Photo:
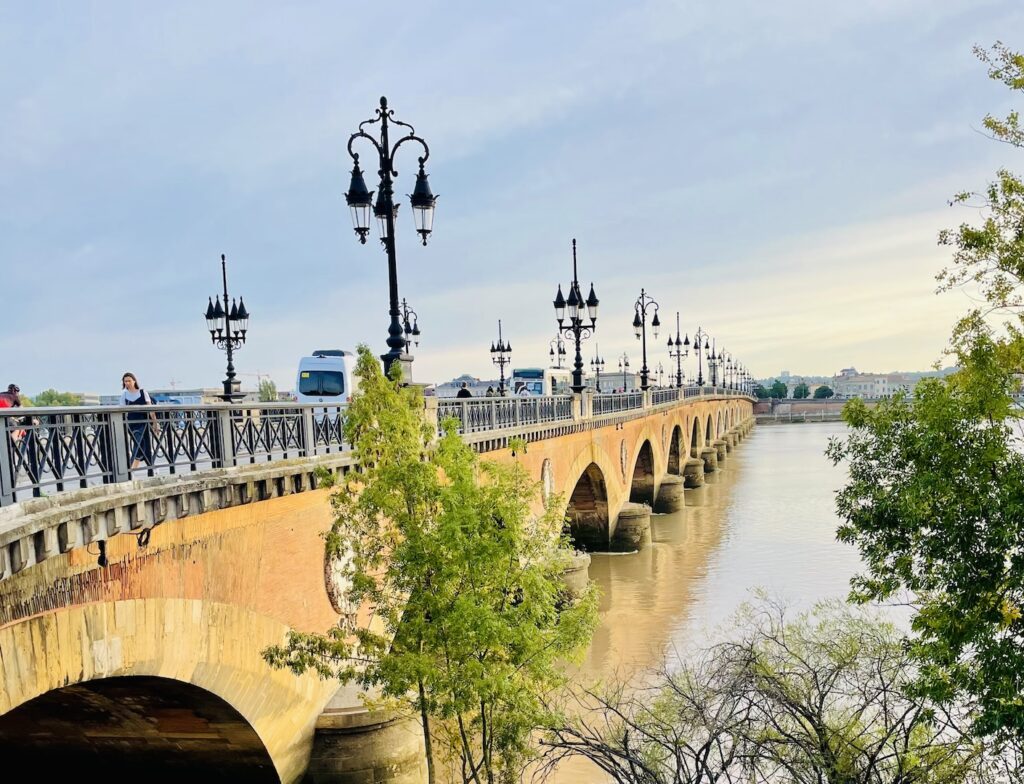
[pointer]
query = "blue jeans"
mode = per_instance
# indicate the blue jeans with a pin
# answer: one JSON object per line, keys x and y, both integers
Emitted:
{"x": 141, "y": 446}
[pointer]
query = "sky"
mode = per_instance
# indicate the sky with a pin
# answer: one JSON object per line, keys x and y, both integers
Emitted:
{"x": 775, "y": 172}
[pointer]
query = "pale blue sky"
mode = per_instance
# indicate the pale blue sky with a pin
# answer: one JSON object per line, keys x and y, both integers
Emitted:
{"x": 775, "y": 171}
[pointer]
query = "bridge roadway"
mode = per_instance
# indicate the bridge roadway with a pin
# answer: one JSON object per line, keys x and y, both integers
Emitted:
{"x": 151, "y": 662}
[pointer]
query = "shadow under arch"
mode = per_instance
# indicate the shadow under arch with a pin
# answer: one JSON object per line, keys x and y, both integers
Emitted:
{"x": 709, "y": 434}
{"x": 642, "y": 487}
{"x": 587, "y": 512}
{"x": 695, "y": 438}
{"x": 154, "y": 728}
{"x": 675, "y": 450}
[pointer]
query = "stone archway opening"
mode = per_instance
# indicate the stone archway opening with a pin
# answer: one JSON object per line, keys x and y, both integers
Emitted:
{"x": 709, "y": 435}
{"x": 587, "y": 513}
{"x": 642, "y": 488}
{"x": 695, "y": 439}
{"x": 675, "y": 447}
{"x": 155, "y": 729}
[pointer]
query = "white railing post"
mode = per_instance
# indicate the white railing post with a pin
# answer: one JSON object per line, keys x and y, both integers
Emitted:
{"x": 119, "y": 463}
{"x": 224, "y": 439}
{"x": 6, "y": 464}
{"x": 308, "y": 432}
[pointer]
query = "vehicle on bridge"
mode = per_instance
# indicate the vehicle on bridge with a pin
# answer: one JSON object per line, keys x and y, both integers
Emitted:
{"x": 541, "y": 381}
{"x": 328, "y": 376}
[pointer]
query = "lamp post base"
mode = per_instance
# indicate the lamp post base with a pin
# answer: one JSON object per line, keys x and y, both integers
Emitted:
{"x": 404, "y": 362}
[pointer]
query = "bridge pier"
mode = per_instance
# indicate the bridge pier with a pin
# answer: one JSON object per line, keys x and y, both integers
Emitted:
{"x": 693, "y": 472}
{"x": 359, "y": 746}
{"x": 670, "y": 495}
{"x": 720, "y": 448}
{"x": 577, "y": 577}
{"x": 633, "y": 529}
{"x": 710, "y": 457}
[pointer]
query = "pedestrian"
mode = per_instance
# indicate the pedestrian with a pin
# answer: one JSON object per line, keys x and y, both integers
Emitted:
{"x": 490, "y": 392}
{"x": 12, "y": 399}
{"x": 139, "y": 430}
{"x": 464, "y": 391}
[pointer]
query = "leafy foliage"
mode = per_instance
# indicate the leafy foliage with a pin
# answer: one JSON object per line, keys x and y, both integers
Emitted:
{"x": 800, "y": 391}
{"x": 935, "y": 497}
{"x": 778, "y": 390}
{"x": 760, "y": 392}
{"x": 823, "y": 392}
{"x": 267, "y": 391}
{"x": 469, "y": 615}
{"x": 51, "y": 397}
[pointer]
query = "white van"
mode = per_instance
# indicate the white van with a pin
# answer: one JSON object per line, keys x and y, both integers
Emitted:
{"x": 326, "y": 377}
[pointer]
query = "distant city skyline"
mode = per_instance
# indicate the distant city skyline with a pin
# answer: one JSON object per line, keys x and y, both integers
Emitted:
{"x": 777, "y": 173}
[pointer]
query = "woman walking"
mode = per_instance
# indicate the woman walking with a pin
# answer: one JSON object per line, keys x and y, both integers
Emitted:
{"x": 138, "y": 428}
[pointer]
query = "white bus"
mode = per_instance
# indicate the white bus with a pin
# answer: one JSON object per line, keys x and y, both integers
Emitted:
{"x": 326, "y": 377}
{"x": 541, "y": 381}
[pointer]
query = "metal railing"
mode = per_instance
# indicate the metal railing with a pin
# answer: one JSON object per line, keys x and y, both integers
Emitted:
{"x": 44, "y": 451}
{"x": 617, "y": 401}
{"x": 475, "y": 415}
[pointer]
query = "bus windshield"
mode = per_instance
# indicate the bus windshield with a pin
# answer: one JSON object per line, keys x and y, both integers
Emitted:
{"x": 321, "y": 383}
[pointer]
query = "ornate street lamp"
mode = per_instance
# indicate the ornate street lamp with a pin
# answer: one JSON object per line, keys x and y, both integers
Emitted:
{"x": 500, "y": 356}
{"x": 713, "y": 360}
{"x": 643, "y": 304}
{"x": 578, "y": 310}
{"x": 231, "y": 335}
{"x": 557, "y": 351}
{"x": 596, "y": 366}
{"x": 700, "y": 341}
{"x": 678, "y": 350}
{"x": 410, "y": 329}
{"x": 624, "y": 366}
{"x": 360, "y": 202}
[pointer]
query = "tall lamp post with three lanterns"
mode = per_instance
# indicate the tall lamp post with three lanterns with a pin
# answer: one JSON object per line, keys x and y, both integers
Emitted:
{"x": 645, "y": 302}
{"x": 500, "y": 352}
{"x": 578, "y": 310}
{"x": 360, "y": 202}
{"x": 231, "y": 335}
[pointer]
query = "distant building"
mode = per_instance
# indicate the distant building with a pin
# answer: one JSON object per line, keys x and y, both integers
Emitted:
{"x": 849, "y": 383}
{"x": 477, "y": 387}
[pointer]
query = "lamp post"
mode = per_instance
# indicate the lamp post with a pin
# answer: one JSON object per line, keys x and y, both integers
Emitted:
{"x": 713, "y": 364}
{"x": 360, "y": 201}
{"x": 677, "y": 350}
{"x": 579, "y": 309}
{"x": 231, "y": 336}
{"x": 624, "y": 366}
{"x": 411, "y": 331}
{"x": 500, "y": 352}
{"x": 557, "y": 351}
{"x": 596, "y": 366}
{"x": 700, "y": 344}
{"x": 644, "y": 302}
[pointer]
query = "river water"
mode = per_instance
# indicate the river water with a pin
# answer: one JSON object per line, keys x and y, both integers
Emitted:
{"x": 765, "y": 520}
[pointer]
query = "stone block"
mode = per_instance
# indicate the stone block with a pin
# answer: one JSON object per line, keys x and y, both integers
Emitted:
{"x": 633, "y": 528}
{"x": 670, "y": 495}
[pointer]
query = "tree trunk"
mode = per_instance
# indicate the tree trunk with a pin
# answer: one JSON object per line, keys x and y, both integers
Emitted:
{"x": 425, "y": 721}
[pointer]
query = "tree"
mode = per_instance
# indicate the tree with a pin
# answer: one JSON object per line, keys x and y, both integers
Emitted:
{"x": 471, "y": 617}
{"x": 823, "y": 392}
{"x": 935, "y": 496}
{"x": 801, "y": 391}
{"x": 778, "y": 390}
{"x": 51, "y": 397}
{"x": 760, "y": 392}
{"x": 267, "y": 391}
{"x": 819, "y": 697}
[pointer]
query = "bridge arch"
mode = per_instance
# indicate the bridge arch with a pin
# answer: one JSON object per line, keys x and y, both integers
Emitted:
{"x": 675, "y": 451}
{"x": 695, "y": 437}
{"x": 587, "y": 513}
{"x": 643, "y": 483}
{"x": 709, "y": 434}
{"x": 216, "y": 650}
{"x": 135, "y": 726}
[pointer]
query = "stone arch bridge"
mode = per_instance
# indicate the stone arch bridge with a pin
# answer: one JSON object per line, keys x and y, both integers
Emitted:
{"x": 133, "y": 608}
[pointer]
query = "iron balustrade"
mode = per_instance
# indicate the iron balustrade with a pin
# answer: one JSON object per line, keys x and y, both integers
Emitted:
{"x": 44, "y": 451}
{"x": 660, "y": 396}
{"x": 501, "y": 413}
{"x": 617, "y": 401}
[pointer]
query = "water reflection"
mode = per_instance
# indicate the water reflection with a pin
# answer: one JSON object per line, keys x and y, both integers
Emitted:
{"x": 766, "y": 519}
